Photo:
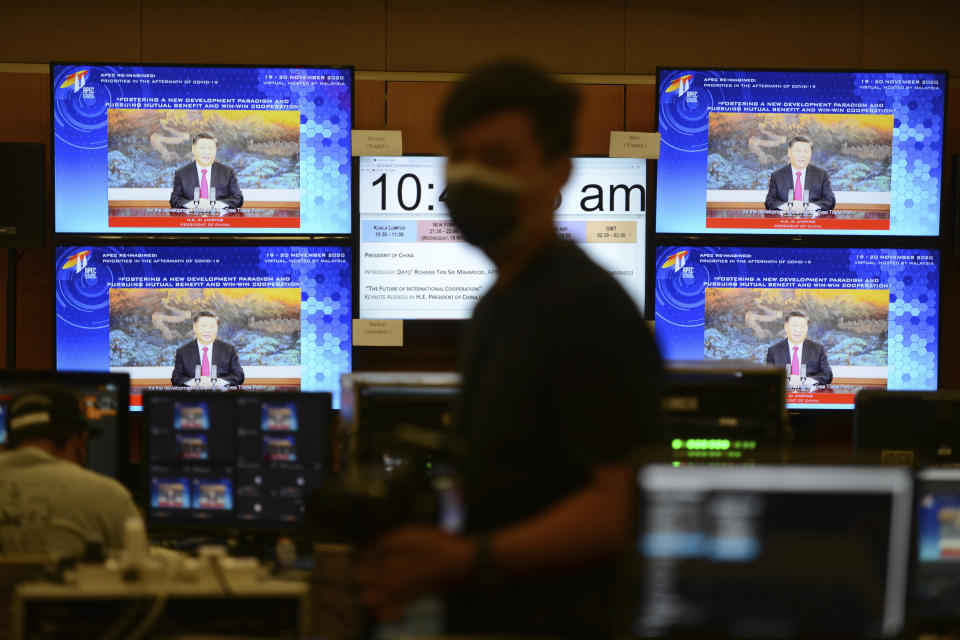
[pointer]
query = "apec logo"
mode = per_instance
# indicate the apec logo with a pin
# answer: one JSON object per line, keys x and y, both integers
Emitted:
{"x": 77, "y": 79}
{"x": 76, "y": 264}
{"x": 681, "y": 85}
{"x": 678, "y": 263}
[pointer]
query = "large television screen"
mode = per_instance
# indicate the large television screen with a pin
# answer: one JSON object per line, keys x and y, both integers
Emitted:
{"x": 870, "y": 316}
{"x": 194, "y": 149}
{"x": 285, "y": 309}
{"x": 868, "y": 147}
{"x": 413, "y": 264}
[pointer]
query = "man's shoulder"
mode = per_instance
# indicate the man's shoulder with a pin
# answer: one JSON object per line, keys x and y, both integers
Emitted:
{"x": 184, "y": 347}
{"x": 78, "y": 480}
{"x": 777, "y": 345}
{"x": 224, "y": 345}
{"x": 187, "y": 167}
{"x": 812, "y": 344}
{"x": 782, "y": 171}
{"x": 219, "y": 166}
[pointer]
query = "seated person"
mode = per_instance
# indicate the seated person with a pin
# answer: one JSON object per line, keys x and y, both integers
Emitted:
{"x": 795, "y": 350}
{"x": 206, "y": 351}
{"x": 799, "y": 176}
{"x": 49, "y": 503}
{"x": 205, "y": 173}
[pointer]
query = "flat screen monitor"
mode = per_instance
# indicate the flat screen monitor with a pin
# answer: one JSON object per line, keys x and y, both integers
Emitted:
{"x": 868, "y": 146}
{"x": 103, "y": 398}
{"x": 129, "y": 156}
{"x": 871, "y": 315}
{"x": 414, "y": 265}
{"x": 771, "y": 552}
{"x": 935, "y": 583}
{"x": 233, "y": 460}
{"x": 286, "y": 310}
{"x": 911, "y": 428}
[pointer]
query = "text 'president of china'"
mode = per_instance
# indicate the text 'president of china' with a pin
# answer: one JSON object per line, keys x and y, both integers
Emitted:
{"x": 205, "y": 173}
{"x": 206, "y": 351}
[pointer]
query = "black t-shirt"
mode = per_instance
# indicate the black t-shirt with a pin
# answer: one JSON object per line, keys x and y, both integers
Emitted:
{"x": 560, "y": 375}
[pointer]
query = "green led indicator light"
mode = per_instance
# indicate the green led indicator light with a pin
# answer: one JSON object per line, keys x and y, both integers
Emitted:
{"x": 677, "y": 444}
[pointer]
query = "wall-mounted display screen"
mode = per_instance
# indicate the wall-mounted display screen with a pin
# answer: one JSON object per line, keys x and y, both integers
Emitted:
{"x": 282, "y": 315}
{"x": 751, "y": 151}
{"x": 192, "y": 149}
{"x": 414, "y": 265}
{"x": 860, "y": 318}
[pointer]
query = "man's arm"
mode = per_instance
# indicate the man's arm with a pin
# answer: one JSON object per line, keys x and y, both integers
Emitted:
{"x": 179, "y": 377}
{"x": 773, "y": 200}
{"x": 591, "y": 524}
{"x": 234, "y": 197}
{"x": 827, "y": 201}
{"x": 824, "y": 373}
{"x": 177, "y": 197}
{"x": 235, "y": 375}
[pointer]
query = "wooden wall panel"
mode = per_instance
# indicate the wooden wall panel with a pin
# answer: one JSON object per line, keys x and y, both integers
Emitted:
{"x": 562, "y": 35}
{"x": 915, "y": 35}
{"x": 369, "y": 103}
{"x": 300, "y": 32}
{"x": 748, "y": 33}
{"x": 413, "y": 107}
{"x": 641, "y": 107}
{"x": 25, "y": 117}
{"x": 601, "y": 111}
{"x": 69, "y": 30}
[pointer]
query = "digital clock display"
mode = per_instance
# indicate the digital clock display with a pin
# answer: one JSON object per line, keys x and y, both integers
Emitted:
{"x": 414, "y": 265}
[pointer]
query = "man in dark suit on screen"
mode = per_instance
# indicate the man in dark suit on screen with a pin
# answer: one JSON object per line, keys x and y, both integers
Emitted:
{"x": 206, "y": 351}
{"x": 796, "y": 350}
{"x": 206, "y": 174}
{"x": 800, "y": 176}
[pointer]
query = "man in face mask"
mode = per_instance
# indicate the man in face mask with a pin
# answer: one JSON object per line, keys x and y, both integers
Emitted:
{"x": 561, "y": 379}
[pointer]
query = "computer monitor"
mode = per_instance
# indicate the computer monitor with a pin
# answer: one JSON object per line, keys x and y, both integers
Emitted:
{"x": 934, "y": 598}
{"x": 104, "y": 400}
{"x": 718, "y": 411}
{"x": 126, "y": 139}
{"x": 414, "y": 265}
{"x": 376, "y": 404}
{"x": 868, "y": 318}
{"x": 867, "y": 145}
{"x": 771, "y": 552}
{"x": 287, "y": 310}
{"x": 911, "y": 428}
{"x": 243, "y": 460}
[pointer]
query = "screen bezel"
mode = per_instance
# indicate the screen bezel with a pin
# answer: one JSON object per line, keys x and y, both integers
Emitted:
{"x": 831, "y": 242}
{"x": 246, "y": 241}
{"x": 852, "y": 239}
{"x": 159, "y": 525}
{"x": 64, "y": 236}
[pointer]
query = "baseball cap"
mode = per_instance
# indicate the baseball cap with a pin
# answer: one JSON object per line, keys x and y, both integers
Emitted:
{"x": 45, "y": 410}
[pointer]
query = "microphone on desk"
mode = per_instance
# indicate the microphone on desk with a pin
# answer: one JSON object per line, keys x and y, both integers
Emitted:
{"x": 196, "y": 377}
{"x": 213, "y": 374}
{"x": 213, "y": 199}
{"x": 790, "y": 200}
{"x": 196, "y": 198}
{"x": 806, "y": 199}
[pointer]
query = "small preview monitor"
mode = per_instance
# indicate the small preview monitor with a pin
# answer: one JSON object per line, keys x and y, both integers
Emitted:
{"x": 910, "y": 428}
{"x": 935, "y": 584}
{"x": 771, "y": 552}
{"x": 103, "y": 399}
{"x": 211, "y": 459}
{"x": 201, "y": 149}
{"x": 414, "y": 265}
{"x": 800, "y": 152}
{"x": 274, "y": 317}
{"x": 858, "y": 318}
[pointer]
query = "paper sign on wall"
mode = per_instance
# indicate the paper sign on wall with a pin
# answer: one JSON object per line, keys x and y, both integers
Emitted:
{"x": 375, "y": 142}
{"x": 377, "y": 333}
{"x": 634, "y": 144}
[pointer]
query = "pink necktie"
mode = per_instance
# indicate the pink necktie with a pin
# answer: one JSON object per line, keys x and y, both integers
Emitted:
{"x": 794, "y": 364}
{"x": 205, "y": 364}
{"x": 797, "y": 189}
{"x": 205, "y": 190}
